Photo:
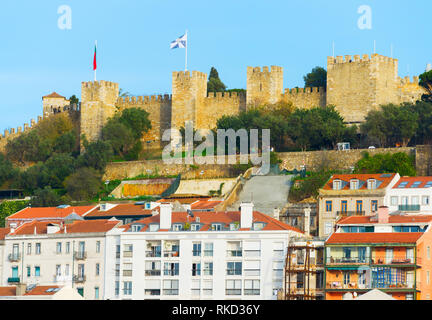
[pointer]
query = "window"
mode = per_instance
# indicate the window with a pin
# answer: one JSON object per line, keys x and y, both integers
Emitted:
{"x": 344, "y": 206}
{"x": 96, "y": 292}
{"x": 136, "y": 227}
{"x": 97, "y": 269}
{"x": 28, "y": 271}
{"x": 278, "y": 270}
{"x": 337, "y": 184}
{"x": 252, "y": 248}
{"x": 117, "y": 270}
{"x": 404, "y": 200}
{"x": 14, "y": 272}
{"x": 208, "y": 249}
{"x": 67, "y": 247}
{"x": 425, "y": 200}
{"x": 81, "y": 291}
{"x": 207, "y": 287}
{"x": 428, "y": 252}
{"x": 258, "y": 225}
{"x": 29, "y": 248}
{"x": 278, "y": 249}
{"x": 427, "y": 277}
{"x": 153, "y": 227}
{"x": 416, "y": 184}
{"x": 170, "y": 287}
{"x": 58, "y": 270}
{"x": 67, "y": 270}
{"x": 59, "y": 247}
{"x": 127, "y": 269}
{"x": 402, "y": 184}
{"x": 196, "y": 251}
{"x": 252, "y": 268}
{"x": 117, "y": 288}
{"x": 153, "y": 268}
{"x": 374, "y": 205}
{"x": 216, "y": 227}
{"x": 233, "y": 287}
{"x": 234, "y": 226}
{"x": 359, "y": 205}
{"x": 81, "y": 270}
{"x": 195, "y": 288}
{"x": 354, "y": 184}
{"x": 328, "y": 228}
{"x": 98, "y": 247}
{"x": 127, "y": 250}
{"x": 428, "y": 184}
{"x": 196, "y": 269}
{"x": 195, "y": 227}
{"x": 177, "y": 227}
{"x": 171, "y": 268}
{"x": 38, "y": 248}
{"x": 234, "y": 268}
{"x": 37, "y": 271}
{"x": 152, "y": 287}
{"x": 394, "y": 201}
{"x": 329, "y": 206}
{"x": 346, "y": 278}
{"x": 252, "y": 287}
{"x": 371, "y": 184}
{"x": 208, "y": 268}
{"x": 127, "y": 288}
{"x": 414, "y": 200}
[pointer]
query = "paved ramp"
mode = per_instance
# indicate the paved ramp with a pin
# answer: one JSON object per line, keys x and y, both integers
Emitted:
{"x": 266, "y": 192}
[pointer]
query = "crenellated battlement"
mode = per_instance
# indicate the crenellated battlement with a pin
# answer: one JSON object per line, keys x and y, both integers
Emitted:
{"x": 225, "y": 95}
{"x": 307, "y": 90}
{"x": 140, "y": 100}
{"x": 265, "y": 69}
{"x": 375, "y": 57}
{"x": 14, "y": 132}
{"x": 100, "y": 83}
{"x": 407, "y": 80}
{"x": 189, "y": 75}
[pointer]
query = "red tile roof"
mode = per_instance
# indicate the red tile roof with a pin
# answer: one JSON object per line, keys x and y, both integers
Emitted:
{"x": 372, "y": 237}
{"x": 410, "y": 181}
{"x": 49, "y": 212}
{"x": 41, "y": 291}
{"x": 124, "y": 209}
{"x": 85, "y": 226}
{"x": 7, "y": 291}
{"x": 53, "y": 95}
{"x": 207, "y": 218}
{"x": 392, "y": 219}
{"x": 385, "y": 179}
{"x": 4, "y": 232}
{"x": 205, "y": 204}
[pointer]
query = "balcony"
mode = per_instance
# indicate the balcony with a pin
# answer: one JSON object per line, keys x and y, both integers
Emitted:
{"x": 234, "y": 272}
{"x": 392, "y": 285}
{"x": 79, "y": 278}
{"x": 14, "y": 257}
{"x": 350, "y": 213}
{"x": 153, "y": 254}
{"x": 174, "y": 272}
{"x": 80, "y": 255}
{"x": 153, "y": 272}
{"x": 170, "y": 292}
{"x": 152, "y": 292}
{"x": 14, "y": 280}
{"x": 409, "y": 207}
{"x": 127, "y": 273}
{"x": 346, "y": 260}
{"x": 400, "y": 261}
{"x": 234, "y": 253}
{"x": 62, "y": 279}
{"x": 127, "y": 254}
{"x": 171, "y": 254}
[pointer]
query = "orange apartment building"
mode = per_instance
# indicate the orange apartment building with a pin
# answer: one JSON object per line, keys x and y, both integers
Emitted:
{"x": 383, "y": 251}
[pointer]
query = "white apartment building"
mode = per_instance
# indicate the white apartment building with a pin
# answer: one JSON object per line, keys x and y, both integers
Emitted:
{"x": 410, "y": 195}
{"x": 44, "y": 253}
{"x": 201, "y": 255}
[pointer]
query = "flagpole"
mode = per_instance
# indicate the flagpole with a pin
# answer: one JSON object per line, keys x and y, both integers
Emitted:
{"x": 187, "y": 40}
{"x": 96, "y": 67}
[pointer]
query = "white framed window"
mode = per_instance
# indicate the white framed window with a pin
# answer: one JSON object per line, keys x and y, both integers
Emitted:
{"x": 252, "y": 248}
{"x": 425, "y": 200}
{"x": 337, "y": 184}
{"x": 58, "y": 270}
{"x": 208, "y": 268}
{"x": 58, "y": 247}
{"x": 252, "y": 267}
{"x": 38, "y": 248}
{"x": 394, "y": 200}
{"x": 67, "y": 270}
{"x": 414, "y": 200}
{"x": 154, "y": 227}
{"x": 354, "y": 184}
{"x": 177, "y": 227}
{"x": 29, "y": 248}
{"x": 171, "y": 287}
{"x": 371, "y": 184}
{"x": 195, "y": 287}
{"x": 216, "y": 227}
{"x": 127, "y": 288}
{"x": 427, "y": 277}
{"x": 233, "y": 287}
{"x": 98, "y": 246}
{"x": 195, "y": 227}
{"x": 67, "y": 249}
{"x": 252, "y": 287}
{"x": 207, "y": 287}
{"x": 208, "y": 249}
{"x": 404, "y": 200}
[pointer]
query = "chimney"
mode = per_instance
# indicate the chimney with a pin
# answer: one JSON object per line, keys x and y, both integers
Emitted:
{"x": 276, "y": 213}
{"x": 383, "y": 214}
{"x": 20, "y": 289}
{"x": 307, "y": 212}
{"x": 246, "y": 214}
{"x": 165, "y": 216}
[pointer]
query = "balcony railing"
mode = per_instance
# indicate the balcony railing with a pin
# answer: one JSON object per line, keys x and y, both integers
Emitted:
{"x": 170, "y": 292}
{"x": 399, "y": 261}
{"x": 152, "y": 292}
{"x": 373, "y": 285}
{"x": 170, "y": 254}
{"x": 350, "y": 213}
{"x": 127, "y": 273}
{"x": 234, "y": 272}
{"x": 392, "y": 285}
{"x": 251, "y": 292}
{"x": 345, "y": 260}
{"x": 174, "y": 272}
{"x": 234, "y": 253}
{"x": 233, "y": 292}
{"x": 409, "y": 207}
{"x": 153, "y": 272}
{"x": 208, "y": 253}
{"x": 79, "y": 278}
{"x": 60, "y": 278}
{"x": 127, "y": 254}
{"x": 14, "y": 257}
{"x": 153, "y": 254}
{"x": 80, "y": 255}
{"x": 14, "y": 280}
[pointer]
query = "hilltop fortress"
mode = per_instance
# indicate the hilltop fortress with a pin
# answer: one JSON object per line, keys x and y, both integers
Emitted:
{"x": 355, "y": 85}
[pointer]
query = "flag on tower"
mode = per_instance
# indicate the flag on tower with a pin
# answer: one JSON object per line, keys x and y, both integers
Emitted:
{"x": 179, "y": 42}
{"x": 94, "y": 58}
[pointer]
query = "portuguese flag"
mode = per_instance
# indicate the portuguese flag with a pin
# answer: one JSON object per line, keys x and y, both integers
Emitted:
{"x": 94, "y": 59}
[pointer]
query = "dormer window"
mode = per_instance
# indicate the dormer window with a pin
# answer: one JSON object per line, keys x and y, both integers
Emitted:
{"x": 216, "y": 227}
{"x": 258, "y": 225}
{"x": 195, "y": 227}
{"x": 234, "y": 226}
{"x": 153, "y": 227}
{"x": 337, "y": 184}
{"x": 371, "y": 184}
{"x": 354, "y": 184}
{"x": 136, "y": 227}
{"x": 177, "y": 227}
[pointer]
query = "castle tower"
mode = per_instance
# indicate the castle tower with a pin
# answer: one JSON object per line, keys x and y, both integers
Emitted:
{"x": 188, "y": 92}
{"x": 98, "y": 99}
{"x": 53, "y": 103}
{"x": 264, "y": 86}
{"x": 356, "y": 85}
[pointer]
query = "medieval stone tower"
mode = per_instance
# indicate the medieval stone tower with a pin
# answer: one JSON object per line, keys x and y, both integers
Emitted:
{"x": 98, "y": 100}
{"x": 264, "y": 86}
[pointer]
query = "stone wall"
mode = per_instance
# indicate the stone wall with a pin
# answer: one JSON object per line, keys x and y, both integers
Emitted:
{"x": 264, "y": 86}
{"x": 424, "y": 160}
{"x": 305, "y": 98}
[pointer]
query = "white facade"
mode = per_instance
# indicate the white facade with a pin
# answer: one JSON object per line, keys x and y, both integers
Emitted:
{"x": 245, "y": 265}
{"x": 414, "y": 199}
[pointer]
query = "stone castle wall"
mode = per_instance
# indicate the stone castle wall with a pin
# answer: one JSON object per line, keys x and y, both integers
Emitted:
{"x": 305, "y": 98}
{"x": 264, "y": 86}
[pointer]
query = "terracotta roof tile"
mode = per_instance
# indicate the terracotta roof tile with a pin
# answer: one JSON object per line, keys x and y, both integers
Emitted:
{"x": 49, "y": 212}
{"x": 54, "y": 95}
{"x": 7, "y": 291}
{"x": 392, "y": 219}
{"x": 410, "y": 181}
{"x": 205, "y": 204}
{"x": 385, "y": 179}
{"x": 4, "y": 232}
{"x": 372, "y": 237}
{"x": 41, "y": 291}
{"x": 124, "y": 209}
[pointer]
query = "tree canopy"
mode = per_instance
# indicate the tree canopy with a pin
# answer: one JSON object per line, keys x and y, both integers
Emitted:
{"x": 398, "y": 162}
{"x": 316, "y": 78}
{"x": 214, "y": 84}
{"x": 426, "y": 82}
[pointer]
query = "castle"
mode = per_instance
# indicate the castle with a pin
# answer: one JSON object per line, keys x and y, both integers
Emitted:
{"x": 355, "y": 85}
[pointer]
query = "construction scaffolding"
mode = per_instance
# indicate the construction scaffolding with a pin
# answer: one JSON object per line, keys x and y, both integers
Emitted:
{"x": 302, "y": 263}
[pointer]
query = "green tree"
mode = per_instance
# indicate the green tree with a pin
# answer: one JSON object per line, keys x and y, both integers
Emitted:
{"x": 74, "y": 100}
{"x": 96, "y": 155}
{"x": 119, "y": 136}
{"x": 214, "y": 84}
{"x": 7, "y": 171}
{"x": 84, "y": 184}
{"x": 10, "y": 207}
{"x": 46, "y": 197}
{"x": 423, "y": 110}
{"x": 316, "y": 78}
{"x": 386, "y": 163}
{"x": 426, "y": 82}
{"x": 136, "y": 120}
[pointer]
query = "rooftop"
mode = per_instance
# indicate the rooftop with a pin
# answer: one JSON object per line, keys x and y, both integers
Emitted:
{"x": 54, "y": 95}
{"x": 205, "y": 204}
{"x": 372, "y": 237}
{"x": 392, "y": 219}
{"x": 383, "y": 180}
{"x": 43, "y": 291}
{"x": 413, "y": 182}
{"x": 49, "y": 212}
{"x": 124, "y": 209}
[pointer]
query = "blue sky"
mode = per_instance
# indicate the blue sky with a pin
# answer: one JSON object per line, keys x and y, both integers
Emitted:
{"x": 36, "y": 57}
